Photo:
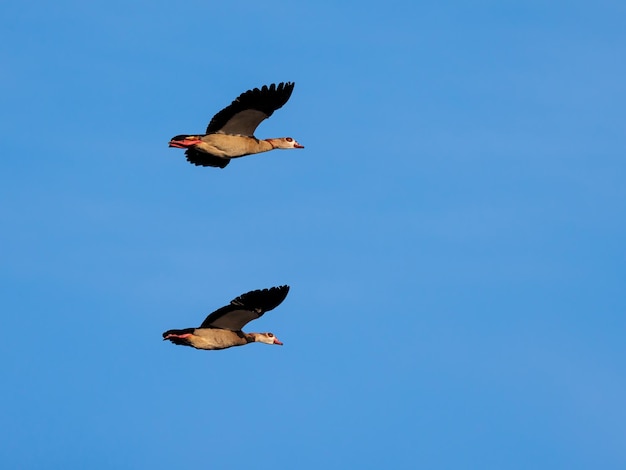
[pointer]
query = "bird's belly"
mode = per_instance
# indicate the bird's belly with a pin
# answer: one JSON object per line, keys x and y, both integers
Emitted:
{"x": 225, "y": 146}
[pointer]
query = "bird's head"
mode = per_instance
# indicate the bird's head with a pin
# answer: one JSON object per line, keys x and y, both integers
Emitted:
{"x": 267, "y": 338}
{"x": 285, "y": 143}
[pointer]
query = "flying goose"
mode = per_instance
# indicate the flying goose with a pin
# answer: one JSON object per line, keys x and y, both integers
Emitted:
{"x": 230, "y": 133}
{"x": 222, "y": 328}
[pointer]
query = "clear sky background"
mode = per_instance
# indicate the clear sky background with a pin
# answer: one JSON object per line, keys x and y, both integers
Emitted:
{"x": 454, "y": 235}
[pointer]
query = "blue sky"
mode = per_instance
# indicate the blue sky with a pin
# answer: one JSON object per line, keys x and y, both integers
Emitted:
{"x": 453, "y": 235}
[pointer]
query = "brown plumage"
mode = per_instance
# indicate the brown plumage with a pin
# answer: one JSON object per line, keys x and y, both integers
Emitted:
{"x": 230, "y": 134}
{"x": 222, "y": 328}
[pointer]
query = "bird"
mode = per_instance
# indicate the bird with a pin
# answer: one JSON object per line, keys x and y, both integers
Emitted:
{"x": 222, "y": 328}
{"x": 230, "y": 134}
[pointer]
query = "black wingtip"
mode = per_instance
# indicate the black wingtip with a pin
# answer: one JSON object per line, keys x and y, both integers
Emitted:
{"x": 284, "y": 289}
{"x": 263, "y": 299}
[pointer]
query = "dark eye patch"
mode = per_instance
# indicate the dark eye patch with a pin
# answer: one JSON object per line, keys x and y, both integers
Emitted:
{"x": 289, "y": 139}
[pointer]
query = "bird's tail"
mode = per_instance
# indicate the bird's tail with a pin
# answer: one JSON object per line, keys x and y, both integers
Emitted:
{"x": 180, "y": 337}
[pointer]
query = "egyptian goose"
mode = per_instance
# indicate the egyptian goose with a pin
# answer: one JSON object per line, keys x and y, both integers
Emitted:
{"x": 230, "y": 133}
{"x": 222, "y": 328}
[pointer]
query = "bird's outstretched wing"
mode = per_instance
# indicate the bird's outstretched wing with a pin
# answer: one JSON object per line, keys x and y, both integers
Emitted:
{"x": 245, "y": 308}
{"x": 245, "y": 114}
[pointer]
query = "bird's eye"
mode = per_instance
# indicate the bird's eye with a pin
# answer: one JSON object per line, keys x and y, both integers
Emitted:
{"x": 270, "y": 335}
{"x": 289, "y": 139}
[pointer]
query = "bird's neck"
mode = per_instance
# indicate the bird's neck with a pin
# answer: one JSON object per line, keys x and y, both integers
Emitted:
{"x": 272, "y": 143}
{"x": 251, "y": 337}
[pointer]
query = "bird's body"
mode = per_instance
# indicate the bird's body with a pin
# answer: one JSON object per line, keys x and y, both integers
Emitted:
{"x": 222, "y": 328}
{"x": 230, "y": 134}
{"x": 208, "y": 338}
{"x": 225, "y": 146}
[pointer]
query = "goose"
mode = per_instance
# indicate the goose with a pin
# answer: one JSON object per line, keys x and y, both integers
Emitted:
{"x": 230, "y": 133}
{"x": 222, "y": 328}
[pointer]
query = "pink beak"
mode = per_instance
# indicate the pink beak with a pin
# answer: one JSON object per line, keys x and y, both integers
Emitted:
{"x": 298, "y": 146}
{"x": 277, "y": 342}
